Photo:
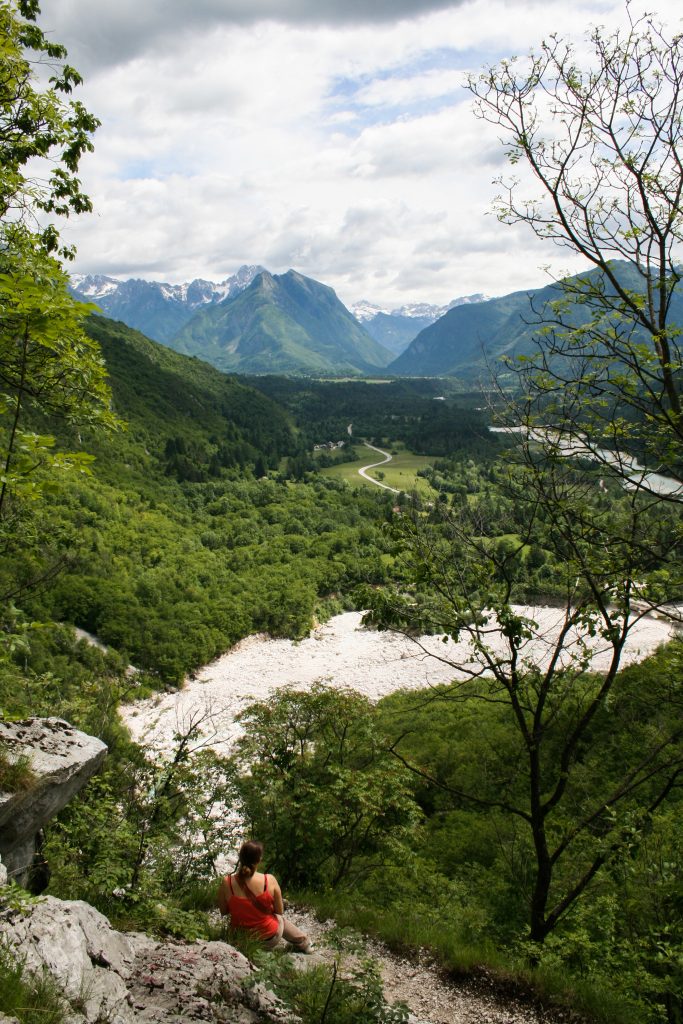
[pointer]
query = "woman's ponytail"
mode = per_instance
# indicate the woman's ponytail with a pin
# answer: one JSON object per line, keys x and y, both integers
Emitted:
{"x": 250, "y": 856}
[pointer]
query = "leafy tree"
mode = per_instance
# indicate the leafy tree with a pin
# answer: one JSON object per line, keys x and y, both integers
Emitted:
{"x": 48, "y": 366}
{"x": 319, "y": 789}
{"x": 603, "y": 143}
{"x": 38, "y": 125}
{"x": 605, "y": 385}
{"x": 462, "y": 583}
{"x": 145, "y": 831}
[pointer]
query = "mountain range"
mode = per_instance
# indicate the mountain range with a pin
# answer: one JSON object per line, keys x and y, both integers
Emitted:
{"x": 260, "y": 323}
{"x": 466, "y": 338}
{"x": 469, "y": 340}
{"x": 223, "y": 423}
{"x": 281, "y": 333}
{"x": 158, "y": 310}
{"x": 282, "y": 323}
{"x": 396, "y": 328}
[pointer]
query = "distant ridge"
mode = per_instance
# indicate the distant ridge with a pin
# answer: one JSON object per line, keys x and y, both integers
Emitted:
{"x": 469, "y": 340}
{"x": 396, "y": 328}
{"x": 282, "y": 323}
{"x": 156, "y": 309}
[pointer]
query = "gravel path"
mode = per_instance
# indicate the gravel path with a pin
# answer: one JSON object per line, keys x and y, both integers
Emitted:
{"x": 430, "y": 997}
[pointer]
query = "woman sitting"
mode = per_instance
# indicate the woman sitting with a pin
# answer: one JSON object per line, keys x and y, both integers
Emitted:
{"x": 254, "y": 901}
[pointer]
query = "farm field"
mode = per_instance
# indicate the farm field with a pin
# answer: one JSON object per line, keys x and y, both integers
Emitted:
{"x": 400, "y": 473}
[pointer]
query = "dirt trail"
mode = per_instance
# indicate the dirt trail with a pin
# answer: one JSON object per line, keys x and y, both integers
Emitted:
{"x": 423, "y": 987}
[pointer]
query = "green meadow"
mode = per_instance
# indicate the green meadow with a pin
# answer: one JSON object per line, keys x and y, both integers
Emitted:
{"x": 400, "y": 473}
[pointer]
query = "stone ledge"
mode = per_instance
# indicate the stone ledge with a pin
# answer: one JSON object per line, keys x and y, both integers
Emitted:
{"x": 62, "y": 759}
{"x": 123, "y": 978}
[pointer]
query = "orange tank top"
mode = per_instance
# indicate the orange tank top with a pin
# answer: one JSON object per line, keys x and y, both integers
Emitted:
{"x": 257, "y": 914}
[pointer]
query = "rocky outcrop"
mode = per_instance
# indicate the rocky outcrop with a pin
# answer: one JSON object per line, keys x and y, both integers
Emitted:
{"x": 204, "y": 981}
{"x": 75, "y": 944}
{"x": 106, "y": 977}
{"x": 124, "y": 978}
{"x": 62, "y": 761}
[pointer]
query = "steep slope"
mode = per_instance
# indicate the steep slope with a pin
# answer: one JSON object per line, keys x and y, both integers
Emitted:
{"x": 158, "y": 310}
{"x": 462, "y": 340}
{"x": 282, "y": 324}
{"x": 396, "y": 328}
{"x": 194, "y": 420}
{"x": 470, "y": 340}
{"x": 187, "y": 535}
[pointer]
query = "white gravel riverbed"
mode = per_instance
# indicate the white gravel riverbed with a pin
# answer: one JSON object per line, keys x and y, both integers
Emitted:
{"x": 344, "y": 654}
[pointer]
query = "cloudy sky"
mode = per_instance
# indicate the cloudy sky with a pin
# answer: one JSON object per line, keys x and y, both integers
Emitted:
{"x": 332, "y": 136}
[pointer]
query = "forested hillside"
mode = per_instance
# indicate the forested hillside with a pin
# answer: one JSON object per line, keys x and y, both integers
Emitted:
{"x": 177, "y": 544}
{"x": 521, "y": 824}
{"x": 471, "y": 341}
{"x": 195, "y": 421}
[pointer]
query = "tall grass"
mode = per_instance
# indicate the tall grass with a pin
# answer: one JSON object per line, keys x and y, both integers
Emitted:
{"x": 335, "y": 993}
{"x": 16, "y": 773}
{"x": 31, "y": 998}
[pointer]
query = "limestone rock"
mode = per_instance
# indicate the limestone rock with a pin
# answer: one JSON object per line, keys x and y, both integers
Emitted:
{"x": 122, "y": 978}
{"x": 3, "y": 878}
{"x": 62, "y": 760}
{"x": 204, "y": 981}
{"x": 77, "y": 946}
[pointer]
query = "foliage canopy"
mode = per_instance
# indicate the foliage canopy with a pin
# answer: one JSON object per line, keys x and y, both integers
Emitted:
{"x": 604, "y": 144}
{"x": 38, "y": 126}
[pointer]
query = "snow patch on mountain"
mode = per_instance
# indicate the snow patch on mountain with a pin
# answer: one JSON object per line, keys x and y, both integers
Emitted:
{"x": 94, "y": 286}
{"x": 158, "y": 309}
{"x": 193, "y": 294}
{"x": 365, "y": 311}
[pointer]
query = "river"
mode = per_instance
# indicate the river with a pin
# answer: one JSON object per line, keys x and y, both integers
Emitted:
{"x": 632, "y": 473}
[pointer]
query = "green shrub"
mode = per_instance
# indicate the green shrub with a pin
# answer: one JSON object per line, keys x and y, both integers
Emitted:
{"x": 344, "y": 992}
{"x": 319, "y": 787}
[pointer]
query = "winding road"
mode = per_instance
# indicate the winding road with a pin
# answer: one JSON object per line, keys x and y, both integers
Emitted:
{"x": 373, "y": 465}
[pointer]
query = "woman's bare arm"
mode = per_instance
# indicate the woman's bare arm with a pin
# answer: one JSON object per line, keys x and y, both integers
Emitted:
{"x": 277, "y": 896}
{"x": 223, "y": 898}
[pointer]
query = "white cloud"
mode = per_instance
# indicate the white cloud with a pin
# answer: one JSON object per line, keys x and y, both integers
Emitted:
{"x": 345, "y": 149}
{"x": 111, "y": 33}
{"x": 395, "y": 91}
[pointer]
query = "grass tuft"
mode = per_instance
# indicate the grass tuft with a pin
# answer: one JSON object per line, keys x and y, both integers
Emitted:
{"x": 31, "y": 998}
{"x": 16, "y": 773}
